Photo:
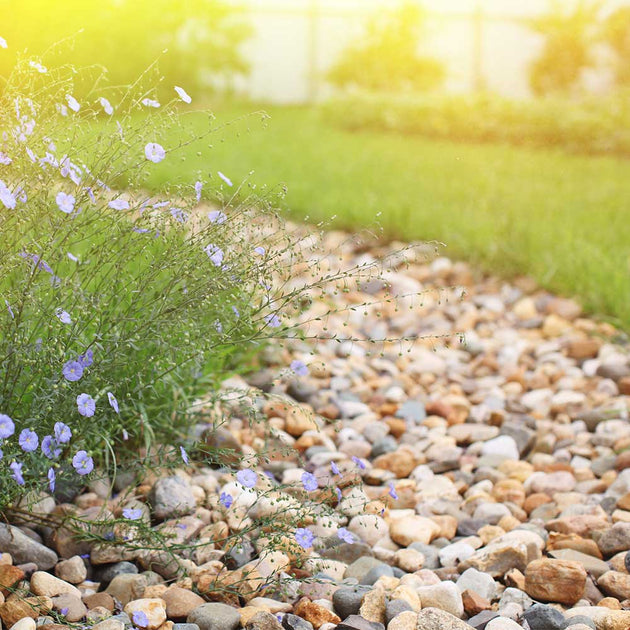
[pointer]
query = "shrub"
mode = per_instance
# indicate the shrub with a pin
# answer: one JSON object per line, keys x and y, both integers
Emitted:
{"x": 386, "y": 57}
{"x": 595, "y": 125}
{"x": 118, "y": 307}
{"x": 615, "y": 32}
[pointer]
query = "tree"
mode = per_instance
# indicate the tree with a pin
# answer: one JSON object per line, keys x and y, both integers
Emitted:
{"x": 386, "y": 58}
{"x": 202, "y": 37}
{"x": 567, "y": 51}
{"x": 616, "y": 34}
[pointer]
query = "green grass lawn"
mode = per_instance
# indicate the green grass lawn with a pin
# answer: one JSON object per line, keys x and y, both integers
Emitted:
{"x": 563, "y": 219}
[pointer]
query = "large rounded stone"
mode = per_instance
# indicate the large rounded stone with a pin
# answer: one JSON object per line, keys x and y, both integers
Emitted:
{"x": 172, "y": 496}
{"x": 412, "y": 529}
{"x": 180, "y": 602}
{"x": 43, "y": 583}
{"x": 560, "y": 581}
{"x": 370, "y": 528}
{"x": 542, "y": 617}
{"x": 153, "y": 609}
{"x": 445, "y": 596}
{"x": 214, "y": 616}
{"x": 437, "y": 619}
{"x": 24, "y": 549}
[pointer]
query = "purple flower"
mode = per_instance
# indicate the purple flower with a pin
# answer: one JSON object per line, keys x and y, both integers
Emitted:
{"x": 16, "y": 473}
{"x": 309, "y": 481}
{"x": 345, "y": 535}
{"x": 247, "y": 477}
{"x": 64, "y": 611}
{"x": 73, "y": 104}
{"x": 139, "y": 619}
{"x": 119, "y": 204}
{"x": 360, "y": 463}
{"x": 62, "y": 431}
{"x": 113, "y": 402}
{"x": 259, "y": 250}
{"x": 28, "y": 440}
{"x": 179, "y": 215}
{"x": 216, "y": 216}
{"x": 50, "y": 448}
{"x": 106, "y": 105}
{"x": 226, "y": 179}
{"x": 154, "y": 152}
{"x": 181, "y": 92}
{"x": 72, "y": 257}
{"x": 226, "y": 499}
{"x": 184, "y": 454}
{"x": 87, "y": 359}
{"x": 9, "y": 309}
{"x": 218, "y": 326}
{"x": 83, "y": 463}
{"x": 304, "y": 537}
{"x": 198, "y": 187}
{"x": 72, "y": 371}
{"x": 65, "y": 202}
{"x": 133, "y": 514}
{"x": 7, "y": 427}
{"x": 21, "y": 195}
{"x": 334, "y": 468}
{"x": 215, "y": 254}
{"x": 273, "y": 320}
{"x": 45, "y": 266}
{"x": 149, "y": 102}
{"x": 86, "y": 405}
{"x": 299, "y": 367}
{"x": 339, "y": 495}
{"x": 5, "y": 160}
{"x": 392, "y": 491}
{"x": 7, "y": 197}
{"x": 51, "y": 479}
{"x": 63, "y": 316}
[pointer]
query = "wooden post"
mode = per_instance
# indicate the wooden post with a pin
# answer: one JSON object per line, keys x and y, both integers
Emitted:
{"x": 479, "y": 81}
{"x": 313, "y": 78}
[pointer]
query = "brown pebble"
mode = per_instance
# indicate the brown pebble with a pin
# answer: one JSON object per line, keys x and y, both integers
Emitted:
{"x": 474, "y": 603}
{"x": 583, "y": 349}
{"x": 536, "y": 500}
{"x": 9, "y": 577}
{"x": 515, "y": 579}
{"x": 314, "y": 613}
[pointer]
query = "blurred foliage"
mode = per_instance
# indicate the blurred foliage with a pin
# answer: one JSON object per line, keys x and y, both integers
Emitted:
{"x": 201, "y": 38}
{"x": 590, "y": 125}
{"x": 386, "y": 56}
{"x": 616, "y": 34}
{"x": 569, "y": 35}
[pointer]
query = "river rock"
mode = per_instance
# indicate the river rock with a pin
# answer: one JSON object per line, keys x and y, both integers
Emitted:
{"x": 551, "y": 580}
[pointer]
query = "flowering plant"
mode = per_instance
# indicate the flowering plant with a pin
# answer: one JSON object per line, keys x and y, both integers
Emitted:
{"x": 118, "y": 307}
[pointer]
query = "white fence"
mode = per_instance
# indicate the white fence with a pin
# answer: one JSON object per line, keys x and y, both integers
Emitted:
{"x": 482, "y": 43}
